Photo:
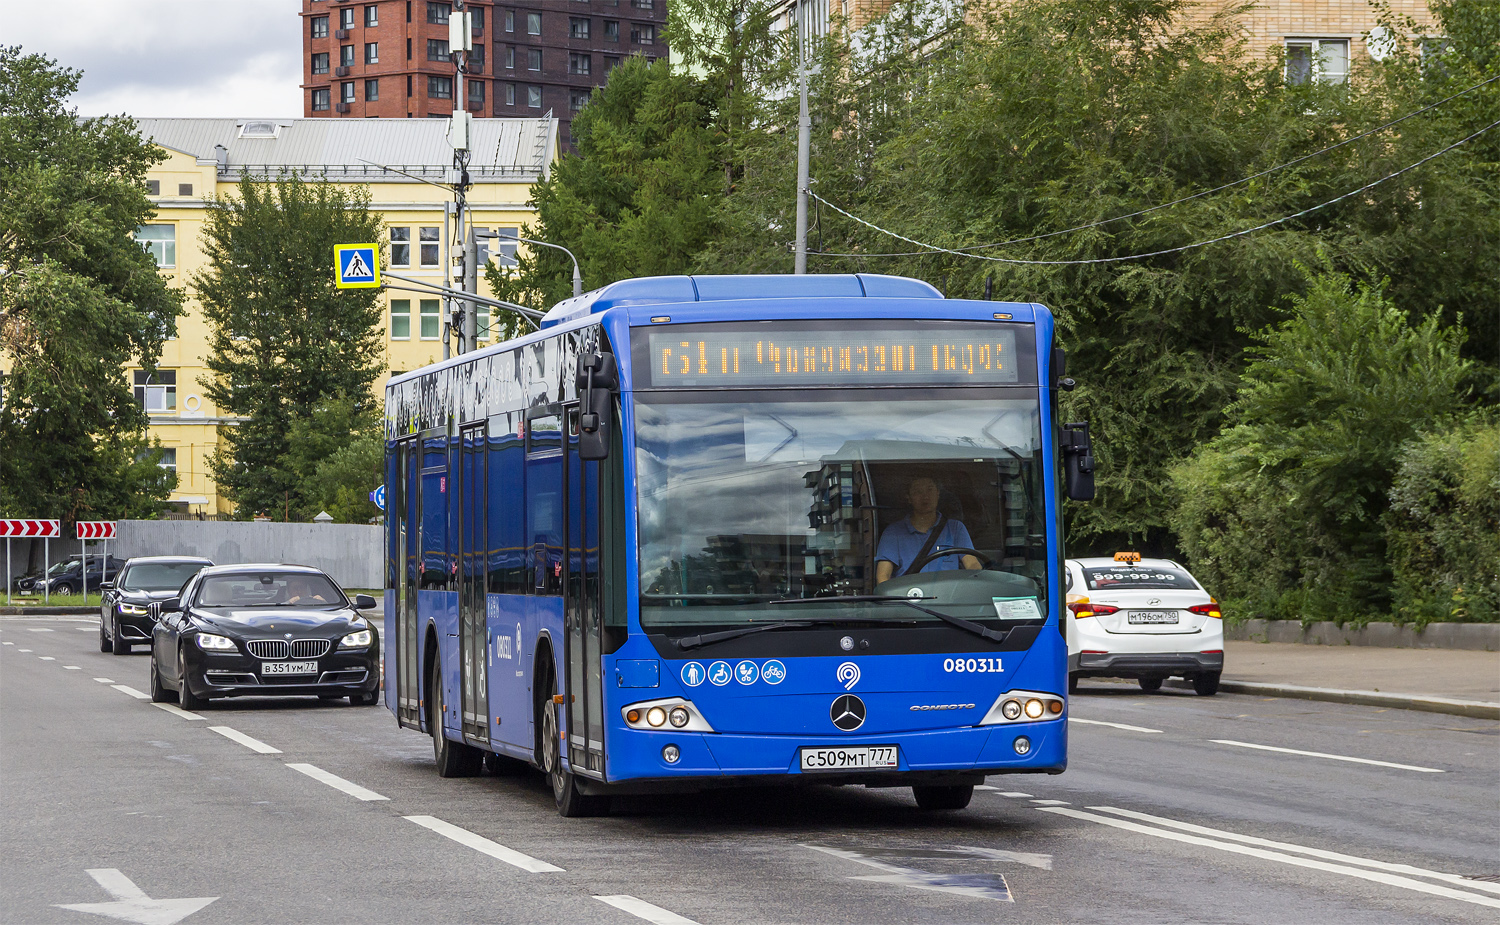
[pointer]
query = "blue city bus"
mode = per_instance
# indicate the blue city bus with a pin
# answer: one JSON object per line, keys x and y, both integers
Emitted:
{"x": 727, "y": 530}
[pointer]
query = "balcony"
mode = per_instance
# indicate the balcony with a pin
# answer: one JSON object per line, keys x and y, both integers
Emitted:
{"x": 342, "y": 70}
{"x": 340, "y": 107}
{"x": 341, "y": 34}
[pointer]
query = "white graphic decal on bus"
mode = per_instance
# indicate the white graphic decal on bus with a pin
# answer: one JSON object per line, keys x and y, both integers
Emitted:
{"x": 746, "y": 672}
{"x": 693, "y": 674}
{"x": 719, "y": 673}
{"x": 848, "y": 675}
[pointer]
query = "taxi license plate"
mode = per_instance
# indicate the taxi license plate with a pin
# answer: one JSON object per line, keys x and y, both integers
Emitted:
{"x": 849, "y": 759}
{"x": 289, "y": 668}
{"x": 1152, "y": 616}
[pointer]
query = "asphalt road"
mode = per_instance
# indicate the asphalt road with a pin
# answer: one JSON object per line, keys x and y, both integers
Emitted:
{"x": 1167, "y": 814}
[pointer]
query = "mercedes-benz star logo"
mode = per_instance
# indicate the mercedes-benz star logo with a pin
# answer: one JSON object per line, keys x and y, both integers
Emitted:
{"x": 847, "y": 712}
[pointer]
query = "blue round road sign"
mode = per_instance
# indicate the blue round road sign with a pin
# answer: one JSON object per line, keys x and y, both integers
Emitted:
{"x": 378, "y": 497}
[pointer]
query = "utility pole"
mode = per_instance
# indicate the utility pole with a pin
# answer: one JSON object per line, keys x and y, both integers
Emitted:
{"x": 460, "y": 43}
{"x": 804, "y": 131}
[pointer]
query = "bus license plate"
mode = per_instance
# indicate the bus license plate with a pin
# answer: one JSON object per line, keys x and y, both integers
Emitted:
{"x": 848, "y": 759}
{"x": 289, "y": 668}
{"x": 1152, "y": 616}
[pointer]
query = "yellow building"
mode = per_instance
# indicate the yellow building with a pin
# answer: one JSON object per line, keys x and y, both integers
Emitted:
{"x": 205, "y": 158}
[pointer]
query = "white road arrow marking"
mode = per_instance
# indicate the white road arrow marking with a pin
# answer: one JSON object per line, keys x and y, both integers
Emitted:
{"x": 979, "y": 886}
{"x": 133, "y": 905}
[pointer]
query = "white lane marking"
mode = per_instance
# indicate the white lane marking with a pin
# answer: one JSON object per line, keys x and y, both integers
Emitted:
{"x": 1372, "y": 875}
{"x": 1455, "y": 879}
{"x": 46, "y": 658}
{"x": 105, "y": 680}
{"x": 23, "y": 650}
{"x": 483, "y": 845}
{"x": 333, "y": 780}
{"x": 644, "y": 910}
{"x": 84, "y": 629}
{"x": 7, "y": 643}
{"x": 985, "y": 787}
{"x": 234, "y": 735}
{"x": 70, "y": 668}
{"x": 175, "y": 709}
{"x": 38, "y": 629}
{"x": 1100, "y": 722}
{"x": 1297, "y": 751}
{"x": 1015, "y": 794}
{"x": 127, "y": 689}
{"x": 1051, "y": 802}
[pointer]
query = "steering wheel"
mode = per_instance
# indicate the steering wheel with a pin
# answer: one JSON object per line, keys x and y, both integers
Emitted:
{"x": 917, "y": 566}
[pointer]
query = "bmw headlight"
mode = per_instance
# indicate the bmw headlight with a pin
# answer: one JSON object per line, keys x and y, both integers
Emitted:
{"x": 133, "y": 610}
{"x": 212, "y": 643}
{"x": 357, "y": 640}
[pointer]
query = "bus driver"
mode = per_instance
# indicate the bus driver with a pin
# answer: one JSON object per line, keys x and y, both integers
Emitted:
{"x": 908, "y": 539}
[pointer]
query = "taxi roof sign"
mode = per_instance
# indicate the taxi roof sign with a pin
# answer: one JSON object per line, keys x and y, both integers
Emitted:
{"x": 356, "y": 266}
{"x": 1127, "y": 557}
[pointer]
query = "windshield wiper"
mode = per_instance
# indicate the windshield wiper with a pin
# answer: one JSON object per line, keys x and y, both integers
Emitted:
{"x": 961, "y": 623}
{"x": 693, "y": 642}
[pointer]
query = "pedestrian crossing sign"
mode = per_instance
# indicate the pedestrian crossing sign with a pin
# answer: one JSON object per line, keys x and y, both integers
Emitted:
{"x": 357, "y": 266}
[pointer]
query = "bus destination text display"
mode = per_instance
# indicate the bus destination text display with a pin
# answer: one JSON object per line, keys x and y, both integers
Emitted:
{"x": 701, "y": 357}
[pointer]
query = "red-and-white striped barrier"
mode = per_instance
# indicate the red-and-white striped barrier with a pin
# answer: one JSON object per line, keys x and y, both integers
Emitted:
{"x": 96, "y": 529}
{"x": 41, "y": 529}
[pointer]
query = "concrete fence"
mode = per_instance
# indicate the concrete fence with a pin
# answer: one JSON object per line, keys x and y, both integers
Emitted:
{"x": 351, "y": 553}
{"x": 1478, "y": 636}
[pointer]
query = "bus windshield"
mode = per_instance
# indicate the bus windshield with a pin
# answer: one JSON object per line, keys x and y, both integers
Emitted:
{"x": 754, "y": 505}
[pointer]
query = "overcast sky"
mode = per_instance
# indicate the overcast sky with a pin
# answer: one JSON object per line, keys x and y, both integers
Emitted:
{"x": 154, "y": 58}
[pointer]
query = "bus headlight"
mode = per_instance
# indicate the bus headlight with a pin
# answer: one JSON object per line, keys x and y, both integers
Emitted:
{"x": 654, "y": 715}
{"x": 1011, "y": 709}
{"x": 1024, "y": 707}
{"x": 1034, "y": 708}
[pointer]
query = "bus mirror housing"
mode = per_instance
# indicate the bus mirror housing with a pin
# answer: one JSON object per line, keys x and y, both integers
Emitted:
{"x": 1078, "y": 460}
{"x": 598, "y": 377}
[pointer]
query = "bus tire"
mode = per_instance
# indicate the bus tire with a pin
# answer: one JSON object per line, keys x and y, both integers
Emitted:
{"x": 1206, "y": 684}
{"x": 571, "y": 803}
{"x": 931, "y": 798}
{"x": 453, "y": 759}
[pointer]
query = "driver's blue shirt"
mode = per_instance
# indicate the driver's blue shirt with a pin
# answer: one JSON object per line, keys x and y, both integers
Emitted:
{"x": 900, "y": 543}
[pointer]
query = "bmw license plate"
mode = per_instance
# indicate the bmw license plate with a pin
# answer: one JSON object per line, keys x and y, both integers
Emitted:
{"x": 289, "y": 668}
{"x": 1152, "y": 616}
{"x": 849, "y": 759}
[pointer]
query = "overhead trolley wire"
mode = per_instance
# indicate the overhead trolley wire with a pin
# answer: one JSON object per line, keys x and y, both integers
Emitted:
{"x": 1166, "y": 205}
{"x": 933, "y": 248}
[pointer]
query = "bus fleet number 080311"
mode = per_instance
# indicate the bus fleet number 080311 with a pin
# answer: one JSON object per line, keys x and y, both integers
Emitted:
{"x": 972, "y": 665}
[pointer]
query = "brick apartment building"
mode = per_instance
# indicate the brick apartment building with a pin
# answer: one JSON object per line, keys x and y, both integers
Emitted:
{"x": 389, "y": 58}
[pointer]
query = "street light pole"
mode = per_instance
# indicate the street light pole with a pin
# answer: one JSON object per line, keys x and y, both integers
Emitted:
{"x": 804, "y": 143}
{"x": 577, "y": 276}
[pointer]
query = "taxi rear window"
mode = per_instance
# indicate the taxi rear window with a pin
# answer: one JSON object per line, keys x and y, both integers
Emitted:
{"x": 1155, "y": 577}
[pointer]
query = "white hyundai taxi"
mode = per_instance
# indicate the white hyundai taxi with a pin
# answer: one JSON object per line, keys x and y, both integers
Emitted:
{"x": 1146, "y": 619}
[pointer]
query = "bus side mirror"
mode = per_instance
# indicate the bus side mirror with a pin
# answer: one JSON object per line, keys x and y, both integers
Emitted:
{"x": 1078, "y": 459}
{"x": 598, "y": 376}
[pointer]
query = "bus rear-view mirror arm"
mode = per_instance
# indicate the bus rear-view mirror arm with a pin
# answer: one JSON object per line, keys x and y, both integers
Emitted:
{"x": 598, "y": 377}
{"x": 1078, "y": 459}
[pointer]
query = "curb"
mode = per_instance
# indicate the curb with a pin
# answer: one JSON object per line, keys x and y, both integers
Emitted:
{"x": 1476, "y": 709}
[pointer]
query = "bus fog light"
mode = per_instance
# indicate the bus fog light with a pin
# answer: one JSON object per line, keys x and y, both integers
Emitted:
{"x": 1054, "y": 706}
{"x": 1011, "y": 709}
{"x": 1022, "y": 745}
{"x": 678, "y": 717}
{"x": 1034, "y": 709}
{"x": 656, "y": 716}
{"x": 670, "y": 754}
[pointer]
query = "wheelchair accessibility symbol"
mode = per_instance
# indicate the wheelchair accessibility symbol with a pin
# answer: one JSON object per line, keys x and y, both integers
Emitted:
{"x": 719, "y": 673}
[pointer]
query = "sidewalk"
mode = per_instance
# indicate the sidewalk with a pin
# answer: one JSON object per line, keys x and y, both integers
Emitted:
{"x": 1462, "y": 682}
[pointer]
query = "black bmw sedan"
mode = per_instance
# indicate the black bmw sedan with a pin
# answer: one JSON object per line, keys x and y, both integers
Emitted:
{"x": 263, "y": 631}
{"x": 123, "y": 618}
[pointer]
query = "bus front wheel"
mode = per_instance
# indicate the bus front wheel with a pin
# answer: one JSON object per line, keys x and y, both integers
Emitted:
{"x": 571, "y": 803}
{"x": 453, "y": 759}
{"x": 943, "y": 797}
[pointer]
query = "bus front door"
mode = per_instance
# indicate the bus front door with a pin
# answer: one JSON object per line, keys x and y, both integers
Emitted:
{"x": 581, "y": 608}
{"x": 405, "y": 504}
{"x": 473, "y": 636}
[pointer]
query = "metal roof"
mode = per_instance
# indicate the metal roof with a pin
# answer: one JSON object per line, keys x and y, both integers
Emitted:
{"x": 503, "y": 150}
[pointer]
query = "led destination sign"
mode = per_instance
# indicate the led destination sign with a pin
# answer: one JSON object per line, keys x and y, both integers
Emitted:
{"x": 725, "y": 356}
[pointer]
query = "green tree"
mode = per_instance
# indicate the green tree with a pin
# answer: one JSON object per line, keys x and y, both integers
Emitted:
{"x": 284, "y": 342}
{"x": 79, "y": 300}
{"x": 335, "y": 452}
{"x": 1283, "y": 513}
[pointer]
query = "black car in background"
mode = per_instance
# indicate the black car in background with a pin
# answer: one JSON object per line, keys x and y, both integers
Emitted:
{"x": 66, "y": 577}
{"x": 263, "y": 631}
{"x": 123, "y": 617}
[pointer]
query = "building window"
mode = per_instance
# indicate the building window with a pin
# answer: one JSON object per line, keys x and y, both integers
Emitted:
{"x": 156, "y": 392}
{"x": 578, "y": 27}
{"x": 440, "y": 88}
{"x": 346, "y": 18}
{"x": 642, "y": 34}
{"x": 168, "y": 460}
{"x": 427, "y": 238}
{"x": 611, "y": 30}
{"x": 160, "y": 241}
{"x": 478, "y": 17}
{"x": 534, "y": 97}
{"x": 372, "y": 91}
{"x": 184, "y": 189}
{"x": 577, "y": 100}
{"x": 431, "y": 321}
{"x": 348, "y": 91}
{"x": 510, "y": 57}
{"x": 320, "y": 63}
{"x": 533, "y": 23}
{"x": 372, "y": 16}
{"x": 372, "y": 52}
{"x": 510, "y": 20}
{"x": 437, "y": 50}
{"x": 510, "y": 94}
{"x": 346, "y": 55}
{"x": 475, "y": 63}
{"x": 320, "y": 100}
{"x": 505, "y": 245}
{"x": 153, "y": 187}
{"x": 580, "y": 64}
{"x": 438, "y": 12}
{"x": 400, "y": 319}
{"x": 533, "y": 59}
{"x": 476, "y": 91}
{"x": 320, "y": 27}
{"x": 400, "y": 247}
{"x": 1321, "y": 60}
{"x": 643, "y": 4}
